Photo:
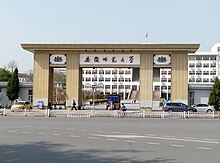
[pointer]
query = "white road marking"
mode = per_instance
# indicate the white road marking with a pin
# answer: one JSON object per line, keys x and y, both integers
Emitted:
{"x": 124, "y": 161}
{"x": 167, "y": 136}
{"x": 159, "y": 138}
{"x": 25, "y": 132}
{"x": 211, "y": 139}
{"x": 130, "y": 141}
{"x": 92, "y": 137}
{"x": 57, "y": 134}
{"x": 73, "y": 136}
{"x": 11, "y": 131}
{"x": 177, "y": 145}
{"x": 99, "y": 131}
{"x": 131, "y": 133}
{"x": 150, "y": 134}
{"x": 112, "y": 139}
{"x": 15, "y": 127}
{"x": 152, "y": 143}
{"x": 203, "y": 148}
{"x": 116, "y": 132}
{"x": 189, "y": 138}
{"x": 120, "y": 136}
{"x": 41, "y": 133}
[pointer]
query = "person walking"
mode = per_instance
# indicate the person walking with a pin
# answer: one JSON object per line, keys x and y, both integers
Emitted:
{"x": 74, "y": 105}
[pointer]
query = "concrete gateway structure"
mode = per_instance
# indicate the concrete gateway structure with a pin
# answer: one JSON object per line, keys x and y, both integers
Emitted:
{"x": 149, "y": 58}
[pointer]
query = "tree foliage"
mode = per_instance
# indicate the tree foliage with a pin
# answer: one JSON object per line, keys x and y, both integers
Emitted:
{"x": 5, "y": 74}
{"x": 13, "y": 86}
{"x": 12, "y": 65}
{"x": 214, "y": 98}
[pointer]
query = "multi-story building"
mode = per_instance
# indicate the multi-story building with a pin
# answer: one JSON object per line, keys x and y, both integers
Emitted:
{"x": 203, "y": 69}
{"x": 124, "y": 81}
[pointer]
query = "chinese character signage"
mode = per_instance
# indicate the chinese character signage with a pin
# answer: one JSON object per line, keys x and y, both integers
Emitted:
{"x": 58, "y": 59}
{"x": 162, "y": 59}
{"x": 113, "y": 59}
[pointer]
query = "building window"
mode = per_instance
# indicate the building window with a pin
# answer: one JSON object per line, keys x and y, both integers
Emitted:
{"x": 88, "y": 71}
{"x": 164, "y": 80}
{"x": 114, "y": 86}
{"x": 205, "y": 72}
{"x": 192, "y": 65}
{"x": 94, "y": 79}
{"x": 191, "y": 79}
{"x": 205, "y": 65}
{"x": 114, "y": 79}
{"x": 199, "y": 80}
{"x": 192, "y": 57}
{"x": 107, "y": 71}
{"x": 205, "y": 80}
{"x": 121, "y": 86}
{"x": 121, "y": 79}
{"x": 101, "y": 71}
{"x": 107, "y": 86}
{"x": 206, "y": 57}
{"x": 114, "y": 72}
{"x": 198, "y": 72}
{"x": 199, "y": 65}
{"x": 198, "y": 57}
{"x": 213, "y": 57}
{"x": 94, "y": 71}
{"x": 163, "y": 72}
{"x": 127, "y": 86}
{"x": 156, "y": 88}
{"x": 191, "y": 72}
{"x": 127, "y": 79}
{"x": 127, "y": 72}
{"x": 101, "y": 79}
{"x": 213, "y": 65}
{"x": 121, "y": 72}
{"x": 88, "y": 79}
{"x": 107, "y": 79}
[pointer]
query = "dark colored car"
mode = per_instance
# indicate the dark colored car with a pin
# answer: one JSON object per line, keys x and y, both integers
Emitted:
{"x": 177, "y": 107}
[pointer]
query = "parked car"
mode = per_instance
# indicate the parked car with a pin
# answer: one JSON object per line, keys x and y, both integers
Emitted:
{"x": 21, "y": 106}
{"x": 177, "y": 107}
{"x": 204, "y": 108}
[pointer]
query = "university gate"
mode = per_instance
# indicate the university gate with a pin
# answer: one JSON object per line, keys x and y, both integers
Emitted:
{"x": 147, "y": 57}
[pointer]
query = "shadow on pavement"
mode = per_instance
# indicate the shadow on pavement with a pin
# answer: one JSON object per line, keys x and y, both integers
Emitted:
{"x": 54, "y": 153}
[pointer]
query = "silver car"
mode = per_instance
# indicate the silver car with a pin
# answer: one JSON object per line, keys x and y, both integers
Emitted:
{"x": 204, "y": 108}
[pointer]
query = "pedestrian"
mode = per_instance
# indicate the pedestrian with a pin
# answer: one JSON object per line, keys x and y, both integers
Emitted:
{"x": 107, "y": 105}
{"x": 49, "y": 106}
{"x": 74, "y": 105}
{"x": 123, "y": 107}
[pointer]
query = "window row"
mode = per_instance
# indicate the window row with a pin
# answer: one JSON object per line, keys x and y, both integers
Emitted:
{"x": 205, "y": 80}
{"x": 202, "y": 57}
{"x": 202, "y": 65}
{"x": 202, "y": 73}
{"x": 107, "y": 79}
{"x": 116, "y": 86}
{"x": 120, "y": 72}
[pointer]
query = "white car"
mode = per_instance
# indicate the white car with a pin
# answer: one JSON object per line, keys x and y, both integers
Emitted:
{"x": 203, "y": 108}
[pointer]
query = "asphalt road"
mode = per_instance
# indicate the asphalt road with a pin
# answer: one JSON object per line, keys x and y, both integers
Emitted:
{"x": 60, "y": 139}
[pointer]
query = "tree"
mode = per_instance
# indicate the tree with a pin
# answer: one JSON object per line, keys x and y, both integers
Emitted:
{"x": 12, "y": 65}
{"x": 13, "y": 86}
{"x": 5, "y": 74}
{"x": 214, "y": 98}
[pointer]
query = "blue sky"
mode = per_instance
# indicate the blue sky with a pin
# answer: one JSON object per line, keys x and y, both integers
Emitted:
{"x": 104, "y": 21}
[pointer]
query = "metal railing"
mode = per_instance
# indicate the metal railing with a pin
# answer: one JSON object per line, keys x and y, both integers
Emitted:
{"x": 110, "y": 113}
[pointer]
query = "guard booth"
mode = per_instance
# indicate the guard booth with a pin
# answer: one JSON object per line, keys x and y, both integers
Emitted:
{"x": 114, "y": 101}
